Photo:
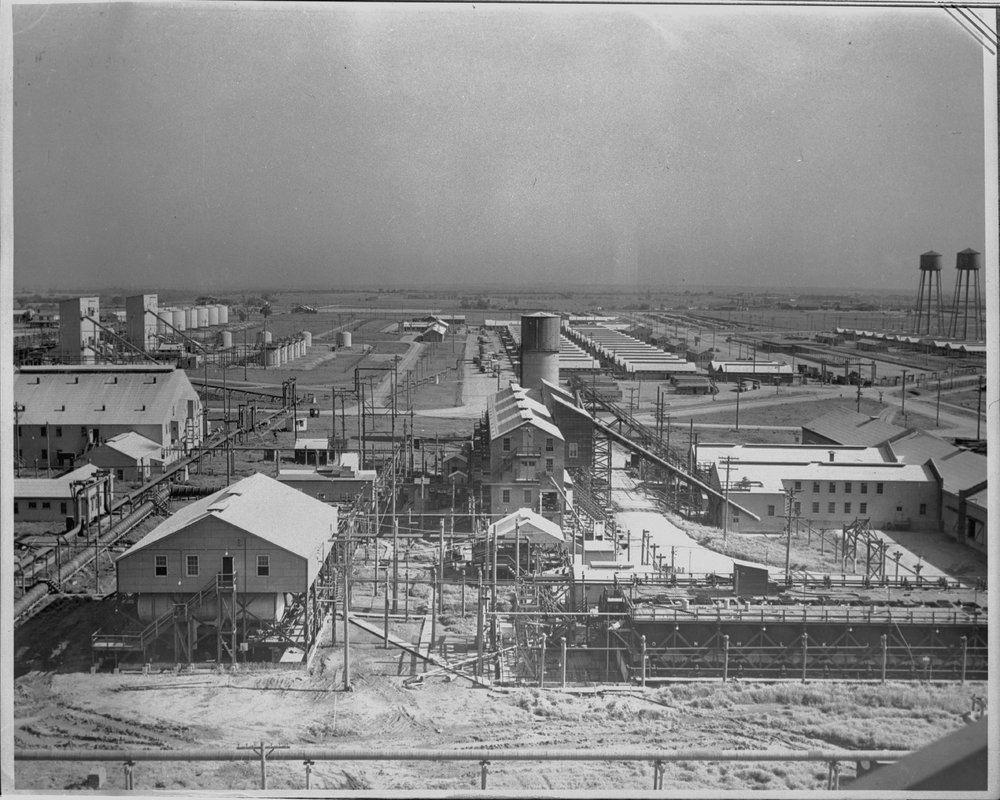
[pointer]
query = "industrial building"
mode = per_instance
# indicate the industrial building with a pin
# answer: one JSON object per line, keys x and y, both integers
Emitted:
{"x": 574, "y": 422}
{"x": 247, "y": 565}
{"x": 742, "y": 369}
{"x": 79, "y": 330}
{"x": 831, "y": 486}
{"x": 631, "y": 358}
{"x": 131, "y": 456}
{"x": 61, "y": 412}
{"x": 339, "y": 479}
{"x": 78, "y": 497}
{"x": 843, "y": 426}
{"x": 523, "y": 456}
{"x": 141, "y": 318}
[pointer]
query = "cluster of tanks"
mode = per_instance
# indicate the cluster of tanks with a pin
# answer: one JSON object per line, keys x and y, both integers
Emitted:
{"x": 186, "y": 318}
{"x": 276, "y": 353}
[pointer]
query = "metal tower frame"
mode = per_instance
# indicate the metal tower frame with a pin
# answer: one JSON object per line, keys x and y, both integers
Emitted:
{"x": 928, "y": 311}
{"x": 967, "y": 264}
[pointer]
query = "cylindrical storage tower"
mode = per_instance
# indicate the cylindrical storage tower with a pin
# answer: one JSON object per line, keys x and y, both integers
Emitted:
{"x": 226, "y": 339}
{"x": 202, "y": 312}
{"x": 271, "y": 356}
{"x": 307, "y": 337}
{"x": 179, "y": 319}
{"x": 344, "y": 339}
{"x": 191, "y": 315}
{"x": 213, "y": 315}
{"x": 539, "y": 349}
{"x": 302, "y": 347}
{"x": 968, "y": 259}
{"x": 264, "y": 337}
{"x": 263, "y": 606}
{"x": 223, "y": 315}
{"x": 162, "y": 317}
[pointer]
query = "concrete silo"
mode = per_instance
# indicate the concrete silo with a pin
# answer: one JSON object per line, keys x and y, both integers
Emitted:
{"x": 539, "y": 349}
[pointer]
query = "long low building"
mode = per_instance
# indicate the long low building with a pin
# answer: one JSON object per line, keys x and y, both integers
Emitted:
{"x": 78, "y": 497}
{"x": 759, "y": 369}
{"x": 630, "y": 356}
{"x": 831, "y": 486}
{"x": 62, "y": 411}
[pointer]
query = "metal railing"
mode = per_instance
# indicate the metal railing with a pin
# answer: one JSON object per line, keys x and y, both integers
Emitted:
{"x": 263, "y": 753}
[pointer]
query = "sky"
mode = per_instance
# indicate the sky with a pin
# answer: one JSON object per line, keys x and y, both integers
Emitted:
{"x": 231, "y": 145}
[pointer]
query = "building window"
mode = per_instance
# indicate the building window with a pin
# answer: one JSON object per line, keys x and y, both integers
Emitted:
{"x": 160, "y": 566}
{"x": 41, "y": 431}
{"x": 527, "y": 496}
{"x": 44, "y": 454}
{"x": 923, "y": 509}
{"x": 505, "y": 496}
{"x": 46, "y": 504}
{"x": 574, "y": 450}
{"x": 263, "y": 566}
{"x": 847, "y": 508}
{"x": 815, "y": 508}
{"x": 833, "y": 488}
{"x": 770, "y": 511}
{"x": 120, "y": 474}
{"x": 863, "y": 508}
{"x": 798, "y": 508}
{"x": 549, "y": 464}
{"x": 816, "y": 486}
{"x": 864, "y": 488}
{"x": 549, "y": 444}
{"x": 798, "y": 486}
{"x": 32, "y": 504}
{"x": 831, "y": 508}
{"x": 505, "y": 444}
{"x": 62, "y": 508}
{"x": 191, "y": 566}
{"x": 899, "y": 508}
{"x": 58, "y": 430}
{"x": 847, "y": 487}
{"x": 15, "y": 507}
{"x": 879, "y": 488}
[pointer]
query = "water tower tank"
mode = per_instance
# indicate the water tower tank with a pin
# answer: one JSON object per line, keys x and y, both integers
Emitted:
{"x": 227, "y": 339}
{"x": 930, "y": 261}
{"x": 968, "y": 259}
{"x": 223, "y": 315}
{"x": 178, "y": 319}
{"x": 213, "y": 315}
{"x": 539, "y": 349}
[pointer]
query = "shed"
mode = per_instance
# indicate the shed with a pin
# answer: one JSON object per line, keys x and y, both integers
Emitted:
{"x": 131, "y": 456}
{"x": 531, "y": 527}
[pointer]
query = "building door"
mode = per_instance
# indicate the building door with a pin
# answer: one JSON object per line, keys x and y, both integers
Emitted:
{"x": 227, "y": 567}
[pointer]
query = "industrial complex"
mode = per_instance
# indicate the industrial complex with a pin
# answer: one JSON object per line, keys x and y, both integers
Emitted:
{"x": 554, "y": 498}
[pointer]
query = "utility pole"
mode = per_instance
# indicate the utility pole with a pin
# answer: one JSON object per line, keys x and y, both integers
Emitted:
{"x": 725, "y": 505}
{"x": 859, "y": 394}
{"x": 348, "y": 546}
{"x": 903, "y": 394}
{"x": 789, "y": 496}
{"x": 979, "y": 404}
{"x": 739, "y": 386}
{"x": 937, "y": 407}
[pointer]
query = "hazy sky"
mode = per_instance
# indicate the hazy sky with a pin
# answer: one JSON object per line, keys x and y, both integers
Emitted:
{"x": 166, "y": 146}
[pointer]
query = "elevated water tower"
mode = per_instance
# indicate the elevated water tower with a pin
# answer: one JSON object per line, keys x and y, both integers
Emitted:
{"x": 929, "y": 295}
{"x": 539, "y": 349}
{"x": 966, "y": 314}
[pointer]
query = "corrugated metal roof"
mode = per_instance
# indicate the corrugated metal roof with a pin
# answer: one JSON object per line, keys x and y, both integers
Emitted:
{"x": 961, "y": 470}
{"x": 261, "y": 506}
{"x": 530, "y": 526}
{"x": 52, "y": 487}
{"x": 847, "y": 427}
{"x": 85, "y": 396}
{"x": 774, "y": 477}
{"x": 794, "y": 453}
{"x": 511, "y": 408}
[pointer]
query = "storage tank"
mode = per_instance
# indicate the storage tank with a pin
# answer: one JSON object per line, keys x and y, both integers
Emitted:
{"x": 264, "y": 337}
{"x": 178, "y": 319}
{"x": 202, "y": 312}
{"x": 271, "y": 356}
{"x": 539, "y": 349}
{"x": 223, "y": 315}
{"x": 162, "y": 317}
{"x": 283, "y": 354}
{"x": 307, "y": 338}
{"x": 269, "y": 606}
{"x": 213, "y": 315}
{"x": 191, "y": 317}
{"x": 300, "y": 348}
{"x": 226, "y": 338}
{"x": 344, "y": 339}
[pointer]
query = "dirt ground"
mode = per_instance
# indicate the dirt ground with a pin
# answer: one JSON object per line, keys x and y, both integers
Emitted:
{"x": 59, "y": 709}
